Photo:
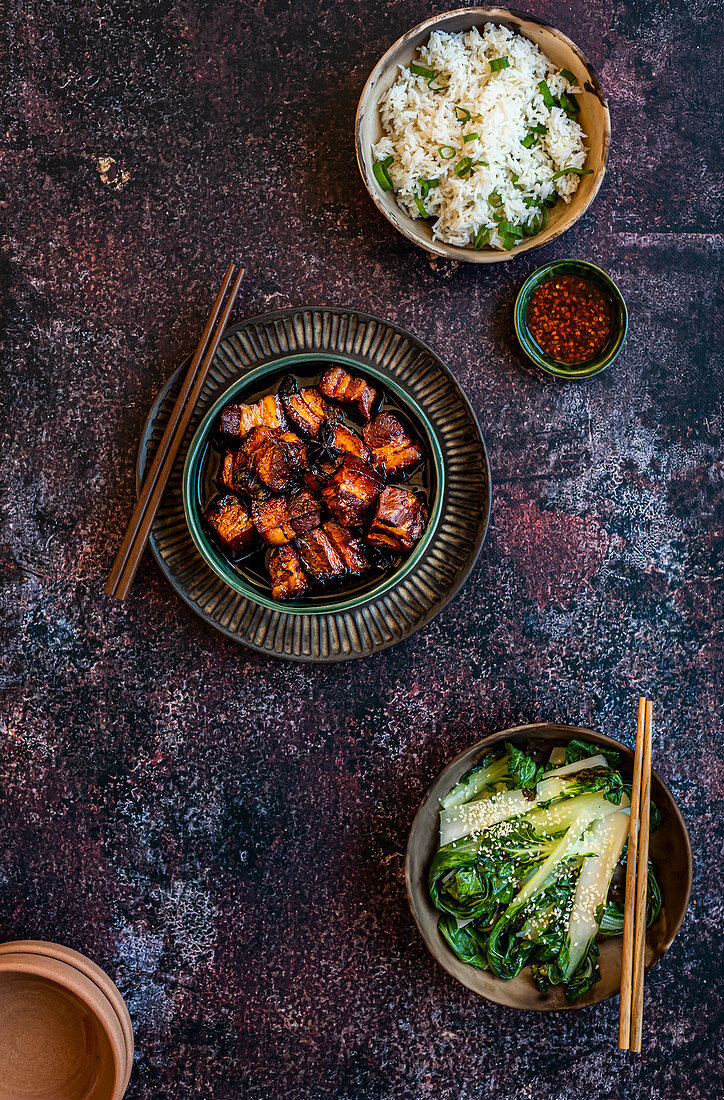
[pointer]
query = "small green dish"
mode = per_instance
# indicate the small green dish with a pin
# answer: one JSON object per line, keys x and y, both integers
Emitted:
{"x": 619, "y": 320}
{"x": 268, "y": 376}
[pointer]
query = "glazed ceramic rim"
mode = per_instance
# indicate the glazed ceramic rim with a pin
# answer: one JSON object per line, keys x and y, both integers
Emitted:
{"x": 65, "y": 975}
{"x": 570, "y": 372}
{"x": 397, "y": 217}
{"x": 418, "y": 898}
{"x": 193, "y": 469}
{"x": 86, "y": 966}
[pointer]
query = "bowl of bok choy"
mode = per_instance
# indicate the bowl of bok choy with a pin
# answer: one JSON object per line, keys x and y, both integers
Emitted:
{"x": 516, "y": 867}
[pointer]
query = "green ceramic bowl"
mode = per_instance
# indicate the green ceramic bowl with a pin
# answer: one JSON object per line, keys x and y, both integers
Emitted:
{"x": 619, "y": 316}
{"x": 266, "y": 378}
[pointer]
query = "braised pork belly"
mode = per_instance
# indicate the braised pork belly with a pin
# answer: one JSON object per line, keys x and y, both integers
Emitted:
{"x": 352, "y": 490}
{"x": 393, "y": 448}
{"x": 236, "y": 421}
{"x": 399, "y": 521}
{"x": 306, "y": 408}
{"x": 231, "y": 523}
{"x": 275, "y": 456}
{"x": 340, "y": 386}
{"x": 288, "y": 579}
{"x": 280, "y": 519}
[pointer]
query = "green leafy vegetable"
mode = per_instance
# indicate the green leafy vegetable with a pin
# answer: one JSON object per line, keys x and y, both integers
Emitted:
{"x": 579, "y": 750}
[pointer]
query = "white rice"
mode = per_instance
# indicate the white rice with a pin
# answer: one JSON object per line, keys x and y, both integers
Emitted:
{"x": 504, "y": 106}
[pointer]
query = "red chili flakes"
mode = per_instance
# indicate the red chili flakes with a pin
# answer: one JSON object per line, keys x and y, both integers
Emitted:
{"x": 570, "y": 318}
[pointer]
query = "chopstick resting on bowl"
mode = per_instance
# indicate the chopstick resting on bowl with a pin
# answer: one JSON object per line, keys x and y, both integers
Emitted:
{"x": 630, "y": 1017}
{"x": 140, "y": 523}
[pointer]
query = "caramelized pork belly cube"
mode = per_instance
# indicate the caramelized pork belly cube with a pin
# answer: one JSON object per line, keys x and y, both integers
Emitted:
{"x": 280, "y": 519}
{"x": 231, "y": 523}
{"x": 304, "y": 511}
{"x": 275, "y": 456}
{"x": 336, "y": 437}
{"x": 340, "y": 386}
{"x": 235, "y": 474}
{"x": 393, "y": 448}
{"x": 238, "y": 420}
{"x": 320, "y": 557}
{"x": 352, "y": 490}
{"x": 400, "y": 519}
{"x": 350, "y": 549}
{"x": 306, "y": 408}
{"x": 287, "y": 576}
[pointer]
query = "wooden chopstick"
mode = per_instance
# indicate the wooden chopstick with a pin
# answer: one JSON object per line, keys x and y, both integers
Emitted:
{"x": 630, "y": 1016}
{"x": 642, "y": 878}
{"x": 134, "y": 540}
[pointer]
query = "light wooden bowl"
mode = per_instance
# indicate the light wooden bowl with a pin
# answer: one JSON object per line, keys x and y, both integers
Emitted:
{"x": 594, "y": 119}
{"x": 66, "y": 1032}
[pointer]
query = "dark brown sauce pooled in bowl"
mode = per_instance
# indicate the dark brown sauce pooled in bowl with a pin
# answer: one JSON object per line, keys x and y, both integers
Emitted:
{"x": 368, "y": 556}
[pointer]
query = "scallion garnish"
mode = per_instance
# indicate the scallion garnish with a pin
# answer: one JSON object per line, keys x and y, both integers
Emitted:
{"x": 538, "y": 129}
{"x": 381, "y": 173}
{"x": 480, "y": 163}
{"x": 471, "y": 137}
{"x": 499, "y": 63}
{"x": 569, "y": 103}
{"x": 431, "y": 81}
{"x": 528, "y": 140}
{"x": 494, "y": 199}
{"x": 462, "y": 115}
{"x": 447, "y": 152}
{"x": 420, "y": 206}
{"x": 481, "y": 238}
{"x": 420, "y": 70}
{"x": 509, "y": 241}
{"x": 572, "y": 171}
{"x": 548, "y": 98}
{"x": 510, "y": 227}
{"x": 568, "y": 75}
{"x": 463, "y": 167}
{"x": 425, "y": 186}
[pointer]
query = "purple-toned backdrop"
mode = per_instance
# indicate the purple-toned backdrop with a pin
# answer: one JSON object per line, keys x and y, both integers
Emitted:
{"x": 225, "y": 833}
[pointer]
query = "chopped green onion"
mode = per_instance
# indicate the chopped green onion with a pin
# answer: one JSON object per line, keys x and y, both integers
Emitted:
{"x": 571, "y": 171}
{"x": 551, "y": 200}
{"x": 568, "y": 75}
{"x": 471, "y": 137}
{"x": 494, "y": 199}
{"x": 499, "y": 63}
{"x": 509, "y": 241}
{"x": 382, "y": 176}
{"x": 463, "y": 167}
{"x": 431, "y": 81}
{"x": 527, "y": 141}
{"x": 498, "y": 216}
{"x": 569, "y": 103}
{"x": 548, "y": 98}
{"x": 425, "y": 186}
{"x": 510, "y": 227}
{"x": 420, "y": 206}
{"x": 481, "y": 238}
{"x": 462, "y": 114}
{"x": 531, "y": 202}
{"x": 447, "y": 152}
{"x": 420, "y": 70}
{"x": 480, "y": 163}
{"x": 538, "y": 129}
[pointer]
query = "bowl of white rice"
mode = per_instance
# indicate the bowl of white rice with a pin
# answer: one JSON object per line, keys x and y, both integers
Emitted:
{"x": 482, "y": 133}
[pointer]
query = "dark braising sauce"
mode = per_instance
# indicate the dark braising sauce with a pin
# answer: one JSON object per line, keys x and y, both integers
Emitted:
{"x": 570, "y": 318}
{"x": 251, "y": 565}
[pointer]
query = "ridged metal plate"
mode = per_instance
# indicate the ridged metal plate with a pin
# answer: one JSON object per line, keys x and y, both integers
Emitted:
{"x": 453, "y": 549}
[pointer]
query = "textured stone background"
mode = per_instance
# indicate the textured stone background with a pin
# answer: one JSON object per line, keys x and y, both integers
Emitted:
{"x": 223, "y": 832}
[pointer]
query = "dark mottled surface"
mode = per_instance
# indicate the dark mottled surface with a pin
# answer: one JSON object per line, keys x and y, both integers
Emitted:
{"x": 223, "y": 832}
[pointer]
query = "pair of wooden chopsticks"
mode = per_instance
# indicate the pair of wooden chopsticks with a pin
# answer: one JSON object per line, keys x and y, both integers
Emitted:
{"x": 631, "y": 1008}
{"x": 140, "y": 523}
